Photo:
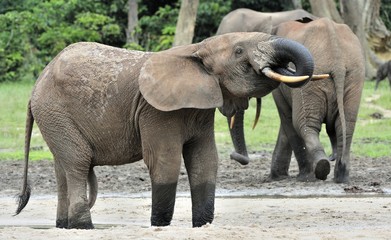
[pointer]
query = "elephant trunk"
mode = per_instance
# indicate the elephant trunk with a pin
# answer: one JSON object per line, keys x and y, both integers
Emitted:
{"x": 287, "y": 51}
{"x": 237, "y": 135}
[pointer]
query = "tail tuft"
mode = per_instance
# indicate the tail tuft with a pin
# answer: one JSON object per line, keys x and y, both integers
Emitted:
{"x": 22, "y": 199}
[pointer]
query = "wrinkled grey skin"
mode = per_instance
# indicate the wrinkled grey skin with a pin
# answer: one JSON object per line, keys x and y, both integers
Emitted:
{"x": 382, "y": 72}
{"x": 247, "y": 20}
{"x": 334, "y": 102}
{"x": 100, "y": 105}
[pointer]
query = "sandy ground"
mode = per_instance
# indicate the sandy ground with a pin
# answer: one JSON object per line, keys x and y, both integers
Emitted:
{"x": 247, "y": 206}
{"x": 236, "y": 218}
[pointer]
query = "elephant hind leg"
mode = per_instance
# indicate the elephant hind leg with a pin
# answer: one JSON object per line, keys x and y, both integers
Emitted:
{"x": 72, "y": 156}
{"x": 322, "y": 169}
{"x": 281, "y": 157}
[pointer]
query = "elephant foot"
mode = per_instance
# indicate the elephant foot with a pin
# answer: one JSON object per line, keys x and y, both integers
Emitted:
{"x": 322, "y": 169}
{"x": 62, "y": 223}
{"x": 244, "y": 160}
{"x": 80, "y": 225}
{"x": 341, "y": 175}
{"x": 306, "y": 177}
{"x": 276, "y": 177}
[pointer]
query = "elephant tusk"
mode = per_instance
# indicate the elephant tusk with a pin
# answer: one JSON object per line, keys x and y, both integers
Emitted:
{"x": 232, "y": 122}
{"x": 258, "y": 112}
{"x": 314, "y": 77}
{"x": 281, "y": 78}
{"x": 319, "y": 77}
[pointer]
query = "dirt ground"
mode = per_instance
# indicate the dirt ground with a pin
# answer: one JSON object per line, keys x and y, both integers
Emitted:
{"x": 247, "y": 206}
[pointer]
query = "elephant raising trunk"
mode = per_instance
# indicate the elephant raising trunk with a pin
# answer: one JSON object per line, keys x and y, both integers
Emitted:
{"x": 287, "y": 51}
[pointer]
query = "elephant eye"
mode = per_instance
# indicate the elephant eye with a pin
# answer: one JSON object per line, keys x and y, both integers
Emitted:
{"x": 238, "y": 51}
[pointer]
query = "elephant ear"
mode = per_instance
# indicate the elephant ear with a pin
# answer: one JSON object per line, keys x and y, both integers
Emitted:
{"x": 176, "y": 78}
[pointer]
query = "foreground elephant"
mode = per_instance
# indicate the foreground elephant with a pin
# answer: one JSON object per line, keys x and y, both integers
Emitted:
{"x": 334, "y": 101}
{"x": 100, "y": 105}
{"x": 382, "y": 72}
{"x": 247, "y": 20}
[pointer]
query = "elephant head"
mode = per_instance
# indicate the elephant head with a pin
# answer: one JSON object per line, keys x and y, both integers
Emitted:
{"x": 223, "y": 71}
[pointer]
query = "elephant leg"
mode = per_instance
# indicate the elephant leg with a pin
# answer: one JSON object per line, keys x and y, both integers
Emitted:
{"x": 72, "y": 154}
{"x": 62, "y": 196}
{"x": 333, "y": 141}
{"x": 201, "y": 162}
{"x": 317, "y": 155}
{"x": 237, "y": 135}
{"x": 342, "y": 165}
{"x": 389, "y": 77}
{"x": 162, "y": 154}
{"x": 352, "y": 98}
{"x": 281, "y": 152}
{"x": 164, "y": 170}
{"x": 281, "y": 157}
{"x": 378, "y": 80}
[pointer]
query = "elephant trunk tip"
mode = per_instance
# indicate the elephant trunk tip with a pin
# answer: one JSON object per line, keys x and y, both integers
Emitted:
{"x": 244, "y": 160}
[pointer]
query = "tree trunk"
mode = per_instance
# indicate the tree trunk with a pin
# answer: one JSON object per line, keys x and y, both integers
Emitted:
{"x": 378, "y": 36}
{"x": 297, "y": 4}
{"x": 132, "y": 21}
{"x": 326, "y": 8}
{"x": 355, "y": 14}
{"x": 186, "y": 22}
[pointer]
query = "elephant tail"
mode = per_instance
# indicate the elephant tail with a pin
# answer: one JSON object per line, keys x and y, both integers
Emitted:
{"x": 93, "y": 188}
{"x": 339, "y": 81}
{"x": 24, "y": 196}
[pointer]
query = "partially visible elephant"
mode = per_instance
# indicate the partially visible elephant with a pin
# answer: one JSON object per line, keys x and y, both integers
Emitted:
{"x": 382, "y": 72}
{"x": 247, "y": 20}
{"x": 99, "y": 105}
{"x": 334, "y": 102}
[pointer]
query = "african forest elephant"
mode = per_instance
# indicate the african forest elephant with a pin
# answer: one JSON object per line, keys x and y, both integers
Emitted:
{"x": 247, "y": 20}
{"x": 334, "y": 101}
{"x": 100, "y": 105}
{"x": 382, "y": 72}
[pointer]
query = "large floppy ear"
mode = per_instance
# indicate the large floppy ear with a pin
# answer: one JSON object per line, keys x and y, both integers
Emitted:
{"x": 176, "y": 78}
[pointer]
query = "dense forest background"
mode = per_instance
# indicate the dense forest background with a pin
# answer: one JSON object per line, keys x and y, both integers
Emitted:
{"x": 32, "y": 32}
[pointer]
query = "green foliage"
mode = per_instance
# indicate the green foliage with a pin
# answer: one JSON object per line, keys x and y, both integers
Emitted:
{"x": 209, "y": 16}
{"x": 34, "y": 31}
{"x": 385, "y": 13}
{"x": 157, "y": 31}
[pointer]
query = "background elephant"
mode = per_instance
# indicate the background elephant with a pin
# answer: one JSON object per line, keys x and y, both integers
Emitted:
{"x": 247, "y": 20}
{"x": 100, "y": 105}
{"x": 334, "y": 101}
{"x": 382, "y": 72}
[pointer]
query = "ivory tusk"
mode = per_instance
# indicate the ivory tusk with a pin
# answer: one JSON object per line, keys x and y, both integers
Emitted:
{"x": 258, "y": 112}
{"x": 231, "y": 123}
{"x": 319, "y": 77}
{"x": 281, "y": 78}
{"x": 315, "y": 77}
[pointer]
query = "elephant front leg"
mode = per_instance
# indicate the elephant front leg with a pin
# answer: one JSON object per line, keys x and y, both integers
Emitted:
{"x": 201, "y": 163}
{"x": 163, "y": 161}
